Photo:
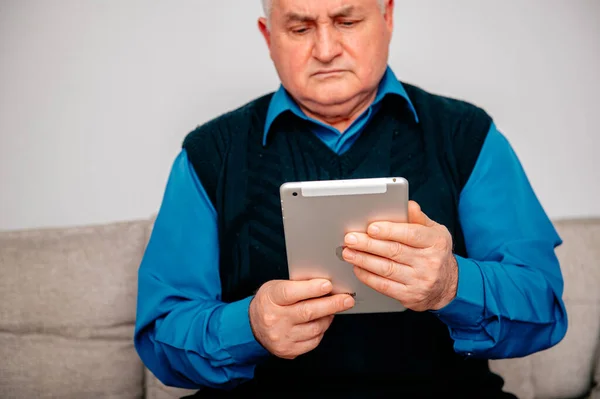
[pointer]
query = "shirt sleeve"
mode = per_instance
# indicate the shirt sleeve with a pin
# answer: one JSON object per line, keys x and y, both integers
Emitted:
{"x": 509, "y": 300}
{"x": 184, "y": 333}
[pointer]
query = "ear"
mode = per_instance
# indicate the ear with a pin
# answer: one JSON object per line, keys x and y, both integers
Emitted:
{"x": 264, "y": 30}
{"x": 389, "y": 14}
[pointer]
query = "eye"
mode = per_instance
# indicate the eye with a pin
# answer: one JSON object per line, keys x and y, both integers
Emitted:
{"x": 299, "y": 30}
{"x": 347, "y": 24}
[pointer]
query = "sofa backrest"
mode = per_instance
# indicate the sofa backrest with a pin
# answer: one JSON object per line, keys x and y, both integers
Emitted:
{"x": 67, "y": 311}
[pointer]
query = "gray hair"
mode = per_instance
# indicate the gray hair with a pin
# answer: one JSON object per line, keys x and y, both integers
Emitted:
{"x": 268, "y": 6}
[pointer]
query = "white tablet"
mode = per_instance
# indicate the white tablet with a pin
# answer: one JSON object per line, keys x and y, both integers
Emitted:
{"x": 316, "y": 217}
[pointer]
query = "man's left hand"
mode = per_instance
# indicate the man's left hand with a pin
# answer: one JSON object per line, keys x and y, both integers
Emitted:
{"x": 411, "y": 262}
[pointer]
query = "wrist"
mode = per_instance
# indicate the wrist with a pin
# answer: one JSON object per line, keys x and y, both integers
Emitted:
{"x": 451, "y": 285}
{"x": 251, "y": 319}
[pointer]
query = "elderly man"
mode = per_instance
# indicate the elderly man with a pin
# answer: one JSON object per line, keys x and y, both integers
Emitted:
{"x": 475, "y": 264}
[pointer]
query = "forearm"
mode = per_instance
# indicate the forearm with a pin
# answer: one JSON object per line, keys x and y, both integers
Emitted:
{"x": 201, "y": 344}
{"x": 509, "y": 298}
{"x": 505, "y": 309}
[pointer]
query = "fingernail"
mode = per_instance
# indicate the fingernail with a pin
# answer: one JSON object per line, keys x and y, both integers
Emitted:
{"x": 326, "y": 286}
{"x": 351, "y": 239}
{"x": 348, "y": 302}
{"x": 373, "y": 230}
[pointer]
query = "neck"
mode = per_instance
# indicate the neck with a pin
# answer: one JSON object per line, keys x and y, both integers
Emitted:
{"x": 340, "y": 116}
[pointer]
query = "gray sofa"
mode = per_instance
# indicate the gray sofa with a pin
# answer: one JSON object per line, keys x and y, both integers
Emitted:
{"x": 67, "y": 310}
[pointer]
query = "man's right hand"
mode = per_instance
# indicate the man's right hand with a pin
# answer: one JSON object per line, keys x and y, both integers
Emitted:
{"x": 289, "y": 318}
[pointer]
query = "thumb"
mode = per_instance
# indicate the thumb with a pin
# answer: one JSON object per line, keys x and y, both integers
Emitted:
{"x": 417, "y": 216}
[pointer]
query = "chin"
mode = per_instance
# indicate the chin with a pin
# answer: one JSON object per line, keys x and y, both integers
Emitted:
{"x": 333, "y": 93}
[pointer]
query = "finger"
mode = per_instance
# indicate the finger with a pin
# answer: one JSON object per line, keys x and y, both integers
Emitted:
{"x": 417, "y": 216}
{"x": 386, "y": 286}
{"x": 285, "y": 292}
{"x": 307, "y": 346}
{"x": 383, "y": 267}
{"x": 313, "y": 309}
{"x": 310, "y": 330}
{"x": 413, "y": 235}
{"x": 388, "y": 249}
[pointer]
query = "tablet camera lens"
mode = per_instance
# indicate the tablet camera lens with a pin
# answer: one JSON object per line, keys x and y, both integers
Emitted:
{"x": 295, "y": 194}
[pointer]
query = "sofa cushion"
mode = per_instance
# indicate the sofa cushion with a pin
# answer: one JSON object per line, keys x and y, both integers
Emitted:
{"x": 157, "y": 390}
{"x": 55, "y": 366}
{"x": 596, "y": 390}
{"x": 565, "y": 371}
{"x": 67, "y": 310}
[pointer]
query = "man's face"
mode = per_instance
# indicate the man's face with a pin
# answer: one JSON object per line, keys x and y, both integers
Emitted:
{"x": 328, "y": 52}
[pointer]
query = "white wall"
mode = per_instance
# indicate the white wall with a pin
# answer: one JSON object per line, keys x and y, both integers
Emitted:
{"x": 96, "y": 96}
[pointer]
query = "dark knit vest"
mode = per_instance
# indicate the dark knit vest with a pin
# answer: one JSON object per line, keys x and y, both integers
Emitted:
{"x": 408, "y": 353}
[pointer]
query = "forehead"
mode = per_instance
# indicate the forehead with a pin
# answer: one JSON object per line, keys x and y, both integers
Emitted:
{"x": 319, "y": 8}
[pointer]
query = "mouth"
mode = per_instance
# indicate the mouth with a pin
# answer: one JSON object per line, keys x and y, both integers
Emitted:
{"x": 329, "y": 72}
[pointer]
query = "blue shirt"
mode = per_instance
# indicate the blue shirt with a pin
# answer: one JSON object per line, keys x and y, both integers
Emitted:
{"x": 509, "y": 298}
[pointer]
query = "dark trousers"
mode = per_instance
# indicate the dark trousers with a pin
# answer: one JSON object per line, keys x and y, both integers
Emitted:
{"x": 376, "y": 392}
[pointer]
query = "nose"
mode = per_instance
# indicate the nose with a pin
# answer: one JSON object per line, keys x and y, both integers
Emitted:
{"x": 327, "y": 44}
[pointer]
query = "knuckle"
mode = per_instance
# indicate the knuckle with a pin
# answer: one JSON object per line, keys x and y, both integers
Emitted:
{"x": 273, "y": 336}
{"x": 441, "y": 243}
{"x": 384, "y": 286}
{"x": 270, "y": 287}
{"x": 414, "y": 234}
{"x": 427, "y": 263}
{"x": 395, "y": 249}
{"x": 434, "y": 263}
{"x": 317, "y": 341}
{"x": 359, "y": 259}
{"x": 369, "y": 244}
{"x": 269, "y": 319}
{"x": 389, "y": 269}
{"x": 264, "y": 288}
{"x": 429, "y": 286}
{"x": 444, "y": 239}
{"x": 441, "y": 261}
{"x": 284, "y": 292}
{"x": 317, "y": 329}
{"x": 447, "y": 242}
{"x": 305, "y": 313}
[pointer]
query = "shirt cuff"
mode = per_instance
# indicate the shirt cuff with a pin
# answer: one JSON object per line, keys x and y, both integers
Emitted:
{"x": 466, "y": 309}
{"x": 236, "y": 333}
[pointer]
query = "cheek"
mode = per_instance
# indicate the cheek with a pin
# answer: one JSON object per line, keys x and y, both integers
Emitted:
{"x": 292, "y": 60}
{"x": 369, "y": 53}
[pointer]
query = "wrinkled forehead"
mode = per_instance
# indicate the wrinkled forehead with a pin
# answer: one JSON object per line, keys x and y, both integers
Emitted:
{"x": 316, "y": 9}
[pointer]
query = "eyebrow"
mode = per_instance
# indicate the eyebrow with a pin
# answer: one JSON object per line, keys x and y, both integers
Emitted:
{"x": 297, "y": 17}
{"x": 345, "y": 11}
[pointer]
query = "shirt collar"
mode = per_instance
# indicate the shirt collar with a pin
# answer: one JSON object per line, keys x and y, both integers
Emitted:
{"x": 282, "y": 102}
